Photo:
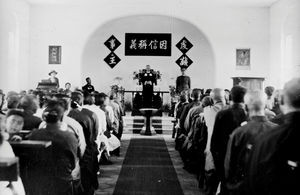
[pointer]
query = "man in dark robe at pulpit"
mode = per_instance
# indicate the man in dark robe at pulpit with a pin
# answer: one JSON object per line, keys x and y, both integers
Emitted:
{"x": 148, "y": 79}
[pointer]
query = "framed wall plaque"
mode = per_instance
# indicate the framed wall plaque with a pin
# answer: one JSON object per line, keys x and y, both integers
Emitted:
{"x": 148, "y": 44}
{"x": 243, "y": 58}
{"x": 54, "y": 54}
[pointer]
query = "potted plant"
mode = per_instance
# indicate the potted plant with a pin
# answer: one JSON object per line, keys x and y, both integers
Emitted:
{"x": 128, "y": 108}
{"x": 166, "y": 109}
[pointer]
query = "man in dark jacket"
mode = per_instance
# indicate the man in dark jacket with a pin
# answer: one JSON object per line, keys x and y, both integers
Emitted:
{"x": 196, "y": 95}
{"x": 89, "y": 162}
{"x": 183, "y": 82}
{"x": 226, "y": 121}
{"x": 274, "y": 163}
{"x": 88, "y": 88}
{"x": 56, "y": 173}
{"x": 241, "y": 142}
{"x": 181, "y": 132}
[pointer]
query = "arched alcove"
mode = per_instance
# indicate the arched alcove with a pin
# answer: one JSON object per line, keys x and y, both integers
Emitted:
{"x": 202, "y": 71}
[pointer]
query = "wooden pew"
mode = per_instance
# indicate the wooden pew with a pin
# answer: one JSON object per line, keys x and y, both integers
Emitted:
{"x": 32, "y": 154}
{"x": 9, "y": 169}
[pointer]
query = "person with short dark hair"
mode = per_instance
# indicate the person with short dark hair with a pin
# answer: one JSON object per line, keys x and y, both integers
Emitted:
{"x": 183, "y": 82}
{"x": 118, "y": 114}
{"x": 196, "y": 95}
{"x": 56, "y": 174}
{"x": 88, "y": 88}
{"x": 274, "y": 162}
{"x": 181, "y": 131}
{"x": 30, "y": 105}
{"x": 67, "y": 89}
{"x": 227, "y": 96}
{"x": 13, "y": 101}
{"x": 88, "y": 163}
{"x": 242, "y": 140}
{"x": 225, "y": 122}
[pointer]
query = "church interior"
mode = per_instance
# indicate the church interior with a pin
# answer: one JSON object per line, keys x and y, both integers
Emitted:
{"x": 149, "y": 97}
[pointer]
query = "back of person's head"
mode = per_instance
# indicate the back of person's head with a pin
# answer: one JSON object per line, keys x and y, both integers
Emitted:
{"x": 183, "y": 97}
{"x": 291, "y": 92}
{"x": 28, "y": 103}
{"x": 238, "y": 93}
{"x": 53, "y": 112}
{"x": 100, "y": 99}
{"x": 217, "y": 94}
{"x": 13, "y": 101}
{"x": 112, "y": 96}
{"x": 88, "y": 99}
{"x": 207, "y": 91}
{"x": 269, "y": 90}
{"x": 65, "y": 103}
{"x": 255, "y": 101}
{"x": 76, "y": 99}
{"x": 196, "y": 94}
{"x": 11, "y": 93}
{"x": 207, "y": 101}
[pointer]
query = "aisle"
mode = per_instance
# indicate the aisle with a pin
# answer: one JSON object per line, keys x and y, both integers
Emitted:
{"x": 147, "y": 169}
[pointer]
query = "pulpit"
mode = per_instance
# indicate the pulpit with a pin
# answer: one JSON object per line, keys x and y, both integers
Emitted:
{"x": 147, "y": 78}
{"x": 148, "y": 129}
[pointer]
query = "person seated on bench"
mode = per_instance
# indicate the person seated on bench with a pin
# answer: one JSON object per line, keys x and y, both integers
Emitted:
{"x": 13, "y": 124}
{"x": 56, "y": 174}
{"x": 15, "y": 187}
{"x": 29, "y": 104}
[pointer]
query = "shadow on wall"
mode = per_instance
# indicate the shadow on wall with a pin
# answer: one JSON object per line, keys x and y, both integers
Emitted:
{"x": 202, "y": 71}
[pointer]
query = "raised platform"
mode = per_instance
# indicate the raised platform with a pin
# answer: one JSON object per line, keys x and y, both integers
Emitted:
{"x": 162, "y": 125}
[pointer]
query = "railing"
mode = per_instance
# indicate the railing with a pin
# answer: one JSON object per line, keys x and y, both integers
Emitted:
{"x": 138, "y": 91}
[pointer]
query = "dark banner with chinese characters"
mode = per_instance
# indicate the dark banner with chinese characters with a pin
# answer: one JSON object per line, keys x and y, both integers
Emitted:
{"x": 148, "y": 44}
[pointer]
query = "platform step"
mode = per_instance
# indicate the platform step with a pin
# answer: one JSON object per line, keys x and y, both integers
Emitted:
{"x": 162, "y": 125}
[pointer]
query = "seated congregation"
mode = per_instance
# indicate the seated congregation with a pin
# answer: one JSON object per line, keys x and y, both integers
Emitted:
{"x": 61, "y": 139}
{"x": 234, "y": 142}
{"x": 241, "y": 142}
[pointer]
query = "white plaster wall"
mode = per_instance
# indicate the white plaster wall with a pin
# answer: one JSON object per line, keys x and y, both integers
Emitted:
{"x": 14, "y": 44}
{"x": 71, "y": 27}
{"x": 202, "y": 70}
{"x": 284, "y": 41}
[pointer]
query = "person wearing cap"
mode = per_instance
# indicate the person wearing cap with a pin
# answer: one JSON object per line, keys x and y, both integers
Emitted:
{"x": 183, "y": 82}
{"x": 53, "y": 78}
{"x": 275, "y": 159}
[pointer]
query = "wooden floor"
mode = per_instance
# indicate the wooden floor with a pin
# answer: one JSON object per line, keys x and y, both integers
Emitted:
{"x": 109, "y": 173}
